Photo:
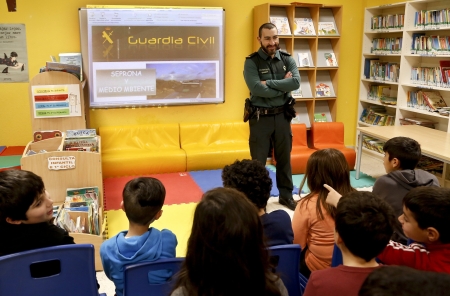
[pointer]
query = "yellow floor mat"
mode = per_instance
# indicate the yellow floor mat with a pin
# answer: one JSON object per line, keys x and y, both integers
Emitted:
{"x": 177, "y": 218}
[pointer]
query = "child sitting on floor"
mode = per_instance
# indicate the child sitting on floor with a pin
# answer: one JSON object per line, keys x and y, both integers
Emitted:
{"x": 364, "y": 225}
{"x": 143, "y": 199}
{"x": 25, "y": 214}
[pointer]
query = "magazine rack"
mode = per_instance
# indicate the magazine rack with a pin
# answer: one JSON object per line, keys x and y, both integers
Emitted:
{"x": 57, "y": 123}
{"x": 86, "y": 173}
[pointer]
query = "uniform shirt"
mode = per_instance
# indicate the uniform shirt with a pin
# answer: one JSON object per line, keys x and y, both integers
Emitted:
{"x": 274, "y": 93}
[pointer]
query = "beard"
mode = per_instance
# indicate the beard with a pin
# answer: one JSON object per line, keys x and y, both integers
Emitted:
{"x": 270, "y": 50}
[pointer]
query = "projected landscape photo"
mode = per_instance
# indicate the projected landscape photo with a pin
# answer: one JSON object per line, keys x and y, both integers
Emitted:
{"x": 184, "y": 80}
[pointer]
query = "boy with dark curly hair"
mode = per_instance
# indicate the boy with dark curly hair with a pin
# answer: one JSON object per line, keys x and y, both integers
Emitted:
{"x": 252, "y": 178}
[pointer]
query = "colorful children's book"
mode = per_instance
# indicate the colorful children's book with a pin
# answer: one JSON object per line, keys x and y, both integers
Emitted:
{"x": 303, "y": 59}
{"x": 282, "y": 25}
{"x": 327, "y": 28}
{"x": 323, "y": 90}
{"x": 330, "y": 59}
{"x": 320, "y": 117}
{"x": 304, "y": 26}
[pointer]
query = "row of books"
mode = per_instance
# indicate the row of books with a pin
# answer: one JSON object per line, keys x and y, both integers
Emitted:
{"x": 377, "y": 115}
{"x": 430, "y": 100}
{"x": 431, "y": 165}
{"x": 329, "y": 57}
{"x": 386, "y": 22}
{"x": 68, "y": 62}
{"x": 373, "y": 144}
{"x": 80, "y": 211}
{"x": 432, "y": 76}
{"x": 81, "y": 140}
{"x": 417, "y": 121}
{"x": 322, "y": 90}
{"x": 383, "y": 94}
{"x": 430, "y": 45}
{"x": 387, "y": 45}
{"x": 432, "y": 19}
{"x": 302, "y": 26}
{"x": 382, "y": 71}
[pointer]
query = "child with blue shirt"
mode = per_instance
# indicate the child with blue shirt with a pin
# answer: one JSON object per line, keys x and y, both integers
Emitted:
{"x": 143, "y": 199}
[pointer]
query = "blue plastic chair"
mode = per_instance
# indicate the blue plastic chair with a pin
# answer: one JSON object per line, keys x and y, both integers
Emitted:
{"x": 288, "y": 257}
{"x": 136, "y": 277}
{"x": 336, "y": 260}
{"x": 61, "y": 270}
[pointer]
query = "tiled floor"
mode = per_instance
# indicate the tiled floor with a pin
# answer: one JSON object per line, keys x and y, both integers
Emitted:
{"x": 370, "y": 165}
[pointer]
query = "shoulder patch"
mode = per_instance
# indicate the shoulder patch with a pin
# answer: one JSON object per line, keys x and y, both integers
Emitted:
{"x": 251, "y": 55}
{"x": 284, "y": 53}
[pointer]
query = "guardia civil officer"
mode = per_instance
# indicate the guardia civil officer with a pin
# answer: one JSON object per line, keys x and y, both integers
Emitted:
{"x": 271, "y": 75}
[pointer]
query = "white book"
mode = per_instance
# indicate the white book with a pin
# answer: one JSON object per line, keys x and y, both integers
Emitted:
{"x": 72, "y": 58}
{"x": 297, "y": 93}
{"x": 330, "y": 59}
{"x": 282, "y": 25}
{"x": 303, "y": 59}
{"x": 304, "y": 26}
{"x": 327, "y": 28}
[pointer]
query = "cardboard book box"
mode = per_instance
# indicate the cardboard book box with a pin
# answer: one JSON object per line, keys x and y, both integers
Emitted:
{"x": 68, "y": 169}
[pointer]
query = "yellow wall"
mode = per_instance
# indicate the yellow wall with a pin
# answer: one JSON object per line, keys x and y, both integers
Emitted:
{"x": 52, "y": 27}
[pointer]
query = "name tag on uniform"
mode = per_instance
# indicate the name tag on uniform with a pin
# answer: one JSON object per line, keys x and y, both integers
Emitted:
{"x": 264, "y": 71}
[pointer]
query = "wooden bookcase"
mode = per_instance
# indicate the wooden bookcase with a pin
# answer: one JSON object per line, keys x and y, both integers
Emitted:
{"x": 407, "y": 59}
{"x": 315, "y": 46}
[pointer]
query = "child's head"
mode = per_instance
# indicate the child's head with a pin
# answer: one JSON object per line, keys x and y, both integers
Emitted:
{"x": 251, "y": 178}
{"x": 401, "y": 153}
{"x": 364, "y": 224}
{"x": 426, "y": 215}
{"x": 143, "y": 199}
{"x": 23, "y": 198}
{"x": 226, "y": 254}
{"x": 324, "y": 167}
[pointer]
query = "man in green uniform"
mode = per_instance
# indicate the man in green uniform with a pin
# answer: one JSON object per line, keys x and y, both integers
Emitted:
{"x": 271, "y": 75}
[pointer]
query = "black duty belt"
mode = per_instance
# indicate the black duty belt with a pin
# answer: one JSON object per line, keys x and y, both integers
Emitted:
{"x": 270, "y": 111}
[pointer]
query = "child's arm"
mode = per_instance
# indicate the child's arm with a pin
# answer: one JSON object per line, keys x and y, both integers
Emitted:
{"x": 414, "y": 255}
{"x": 333, "y": 196}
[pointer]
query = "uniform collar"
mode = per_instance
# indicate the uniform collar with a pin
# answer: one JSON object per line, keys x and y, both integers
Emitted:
{"x": 264, "y": 55}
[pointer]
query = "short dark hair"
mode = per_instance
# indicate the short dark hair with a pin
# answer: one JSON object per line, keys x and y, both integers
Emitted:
{"x": 18, "y": 190}
{"x": 14, "y": 54}
{"x": 430, "y": 207}
{"x": 251, "y": 178}
{"x": 143, "y": 198}
{"x": 404, "y": 281}
{"x": 365, "y": 223}
{"x": 406, "y": 150}
{"x": 268, "y": 26}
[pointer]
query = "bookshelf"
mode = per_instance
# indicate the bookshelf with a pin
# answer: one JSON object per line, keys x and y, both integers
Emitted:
{"x": 314, "y": 46}
{"x": 386, "y": 42}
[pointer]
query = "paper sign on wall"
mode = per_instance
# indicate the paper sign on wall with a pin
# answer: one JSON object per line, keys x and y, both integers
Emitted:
{"x": 61, "y": 163}
{"x": 56, "y": 100}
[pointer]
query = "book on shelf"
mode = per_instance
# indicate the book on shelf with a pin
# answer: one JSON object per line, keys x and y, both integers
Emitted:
{"x": 444, "y": 67}
{"x": 327, "y": 28}
{"x": 416, "y": 41}
{"x": 320, "y": 117}
{"x": 297, "y": 93}
{"x": 303, "y": 59}
{"x": 282, "y": 25}
{"x": 323, "y": 90}
{"x": 81, "y": 140}
{"x": 304, "y": 26}
{"x": 417, "y": 121}
{"x": 434, "y": 100}
{"x": 330, "y": 59}
{"x": 72, "y": 58}
{"x": 72, "y": 69}
{"x": 367, "y": 67}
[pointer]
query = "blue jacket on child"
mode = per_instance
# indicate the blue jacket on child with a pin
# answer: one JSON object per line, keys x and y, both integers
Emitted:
{"x": 119, "y": 251}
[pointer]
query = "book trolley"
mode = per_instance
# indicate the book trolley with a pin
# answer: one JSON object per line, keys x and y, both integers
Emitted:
{"x": 60, "y": 169}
